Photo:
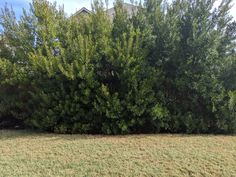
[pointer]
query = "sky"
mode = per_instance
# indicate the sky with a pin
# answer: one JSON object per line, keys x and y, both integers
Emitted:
{"x": 71, "y": 6}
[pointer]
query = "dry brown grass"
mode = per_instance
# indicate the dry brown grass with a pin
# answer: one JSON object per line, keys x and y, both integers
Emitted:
{"x": 25, "y": 153}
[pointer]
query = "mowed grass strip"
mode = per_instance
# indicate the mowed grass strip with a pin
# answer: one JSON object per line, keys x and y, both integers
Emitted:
{"x": 24, "y": 153}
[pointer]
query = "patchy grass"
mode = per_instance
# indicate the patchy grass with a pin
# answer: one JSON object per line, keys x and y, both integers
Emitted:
{"x": 25, "y": 153}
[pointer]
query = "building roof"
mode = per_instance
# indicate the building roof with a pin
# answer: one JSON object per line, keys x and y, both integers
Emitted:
{"x": 82, "y": 10}
{"x": 110, "y": 11}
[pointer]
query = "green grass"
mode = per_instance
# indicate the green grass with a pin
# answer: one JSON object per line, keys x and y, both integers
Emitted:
{"x": 25, "y": 153}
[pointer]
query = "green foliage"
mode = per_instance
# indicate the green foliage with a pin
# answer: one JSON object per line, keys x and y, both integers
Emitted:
{"x": 13, "y": 94}
{"x": 161, "y": 70}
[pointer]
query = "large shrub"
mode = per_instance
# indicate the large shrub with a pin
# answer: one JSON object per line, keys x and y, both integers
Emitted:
{"x": 161, "y": 70}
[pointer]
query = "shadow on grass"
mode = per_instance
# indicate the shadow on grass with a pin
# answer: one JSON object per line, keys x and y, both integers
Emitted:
{"x": 8, "y": 134}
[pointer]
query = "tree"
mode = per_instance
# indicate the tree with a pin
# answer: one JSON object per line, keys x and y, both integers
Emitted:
{"x": 165, "y": 69}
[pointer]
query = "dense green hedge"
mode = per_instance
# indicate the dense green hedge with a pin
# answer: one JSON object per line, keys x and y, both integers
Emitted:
{"x": 168, "y": 68}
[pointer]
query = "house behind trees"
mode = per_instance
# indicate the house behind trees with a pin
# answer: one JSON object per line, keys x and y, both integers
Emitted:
{"x": 129, "y": 8}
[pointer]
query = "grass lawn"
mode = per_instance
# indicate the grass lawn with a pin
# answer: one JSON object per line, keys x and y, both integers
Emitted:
{"x": 30, "y": 154}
